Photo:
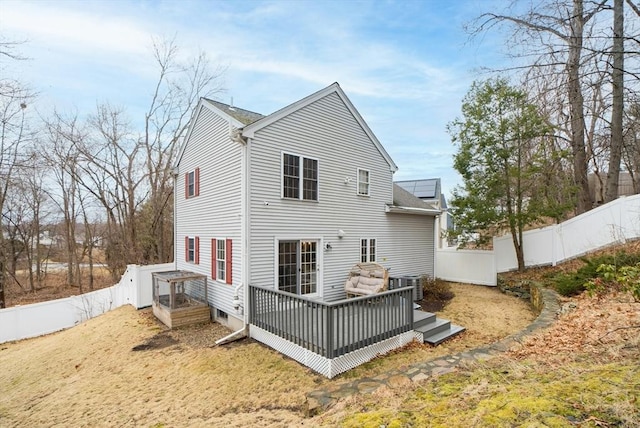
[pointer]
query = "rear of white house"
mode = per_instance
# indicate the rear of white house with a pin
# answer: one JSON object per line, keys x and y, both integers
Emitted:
{"x": 290, "y": 202}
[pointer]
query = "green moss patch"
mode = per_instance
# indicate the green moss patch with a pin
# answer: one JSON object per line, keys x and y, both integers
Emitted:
{"x": 507, "y": 395}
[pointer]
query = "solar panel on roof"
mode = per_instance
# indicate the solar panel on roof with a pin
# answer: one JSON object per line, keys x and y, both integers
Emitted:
{"x": 426, "y": 189}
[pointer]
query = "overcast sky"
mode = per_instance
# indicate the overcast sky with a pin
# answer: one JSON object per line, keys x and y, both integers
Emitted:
{"x": 405, "y": 65}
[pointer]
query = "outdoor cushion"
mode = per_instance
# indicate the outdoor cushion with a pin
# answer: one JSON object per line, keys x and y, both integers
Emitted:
{"x": 366, "y": 279}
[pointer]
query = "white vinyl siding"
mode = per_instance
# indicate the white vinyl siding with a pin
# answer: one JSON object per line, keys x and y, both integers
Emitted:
{"x": 410, "y": 250}
{"x": 215, "y": 212}
{"x": 327, "y": 131}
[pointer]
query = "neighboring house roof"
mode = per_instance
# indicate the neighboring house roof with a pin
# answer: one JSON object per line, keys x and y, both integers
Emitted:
{"x": 423, "y": 189}
{"x": 241, "y": 115}
{"x": 405, "y": 202}
{"x": 443, "y": 202}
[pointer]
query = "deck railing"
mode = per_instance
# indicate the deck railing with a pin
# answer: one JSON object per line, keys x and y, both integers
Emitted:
{"x": 334, "y": 328}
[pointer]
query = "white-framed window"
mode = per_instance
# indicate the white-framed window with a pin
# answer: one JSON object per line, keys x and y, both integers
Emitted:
{"x": 363, "y": 182}
{"x": 299, "y": 177}
{"x": 222, "y": 260}
{"x": 192, "y": 249}
{"x": 367, "y": 250}
{"x": 192, "y": 183}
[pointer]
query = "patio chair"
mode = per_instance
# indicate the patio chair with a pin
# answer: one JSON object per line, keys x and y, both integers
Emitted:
{"x": 366, "y": 279}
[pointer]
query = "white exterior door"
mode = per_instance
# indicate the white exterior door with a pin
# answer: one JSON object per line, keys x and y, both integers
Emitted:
{"x": 298, "y": 267}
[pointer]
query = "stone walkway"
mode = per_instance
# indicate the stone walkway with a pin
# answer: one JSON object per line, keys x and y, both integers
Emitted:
{"x": 321, "y": 399}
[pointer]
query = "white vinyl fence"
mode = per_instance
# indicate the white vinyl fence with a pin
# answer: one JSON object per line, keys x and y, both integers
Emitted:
{"x": 134, "y": 288}
{"x": 612, "y": 223}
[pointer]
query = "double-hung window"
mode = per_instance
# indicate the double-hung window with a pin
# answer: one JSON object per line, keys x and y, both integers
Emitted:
{"x": 367, "y": 250}
{"x": 363, "y": 182}
{"x": 299, "y": 177}
{"x": 221, "y": 260}
{"x": 192, "y": 183}
{"x": 192, "y": 249}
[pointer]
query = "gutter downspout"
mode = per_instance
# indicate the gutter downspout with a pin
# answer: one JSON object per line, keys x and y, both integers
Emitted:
{"x": 236, "y": 335}
{"x": 246, "y": 230}
{"x": 235, "y": 135}
{"x": 175, "y": 172}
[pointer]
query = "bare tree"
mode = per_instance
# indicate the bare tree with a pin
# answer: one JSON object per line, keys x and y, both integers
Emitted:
{"x": 177, "y": 91}
{"x": 63, "y": 158}
{"x": 14, "y": 133}
{"x": 554, "y": 33}
{"x": 617, "y": 80}
{"x": 631, "y": 143}
{"x": 29, "y": 188}
{"x": 113, "y": 172}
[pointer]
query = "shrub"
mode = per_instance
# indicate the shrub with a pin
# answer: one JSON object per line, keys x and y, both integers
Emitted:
{"x": 435, "y": 288}
{"x": 575, "y": 283}
{"x": 624, "y": 278}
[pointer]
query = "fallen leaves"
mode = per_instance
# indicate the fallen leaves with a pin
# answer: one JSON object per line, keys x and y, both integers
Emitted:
{"x": 601, "y": 328}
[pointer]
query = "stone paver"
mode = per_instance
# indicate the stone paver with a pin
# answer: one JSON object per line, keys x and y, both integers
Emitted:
{"x": 320, "y": 400}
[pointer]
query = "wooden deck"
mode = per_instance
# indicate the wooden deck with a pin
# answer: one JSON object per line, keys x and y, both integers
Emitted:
{"x": 331, "y": 329}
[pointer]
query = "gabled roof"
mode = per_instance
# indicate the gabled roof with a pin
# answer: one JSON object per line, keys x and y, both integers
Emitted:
{"x": 248, "y": 122}
{"x": 250, "y": 130}
{"x": 238, "y": 117}
{"x": 423, "y": 189}
{"x": 241, "y": 115}
{"x": 405, "y": 202}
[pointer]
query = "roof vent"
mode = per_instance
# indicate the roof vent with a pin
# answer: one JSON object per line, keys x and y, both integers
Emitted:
{"x": 231, "y": 105}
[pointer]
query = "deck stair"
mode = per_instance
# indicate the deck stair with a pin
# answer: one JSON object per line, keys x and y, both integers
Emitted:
{"x": 433, "y": 330}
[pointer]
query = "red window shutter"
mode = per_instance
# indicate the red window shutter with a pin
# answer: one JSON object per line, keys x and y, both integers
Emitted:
{"x": 214, "y": 260}
{"x": 197, "y": 182}
{"x": 186, "y": 186}
{"x": 186, "y": 248}
{"x": 197, "y": 251}
{"x": 229, "y": 261}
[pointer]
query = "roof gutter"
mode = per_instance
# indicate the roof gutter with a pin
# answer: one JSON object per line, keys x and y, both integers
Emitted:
{"x": 412, "y": 210}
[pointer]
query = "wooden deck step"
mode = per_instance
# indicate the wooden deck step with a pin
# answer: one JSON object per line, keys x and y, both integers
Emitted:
{"x": 434, "y": 327}
{"x": 421, "y": 318}
{"x": 434, "y": 330}
{"x": 438, "y": 338}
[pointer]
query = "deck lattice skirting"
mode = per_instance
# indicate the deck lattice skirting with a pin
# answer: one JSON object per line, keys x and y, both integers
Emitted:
{"x": 330, "y": 367}
{"x": 331, "y": 337}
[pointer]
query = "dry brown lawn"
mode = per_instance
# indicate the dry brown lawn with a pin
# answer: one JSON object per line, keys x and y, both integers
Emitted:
{"x": 91, "y": 375}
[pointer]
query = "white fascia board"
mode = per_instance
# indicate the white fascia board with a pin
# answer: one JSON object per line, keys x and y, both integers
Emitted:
{"x": 250, "y": 130}
{"x": 203, "y": 103}
{"x": 232, "y": 120}
{"x": 412, "y": 210}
